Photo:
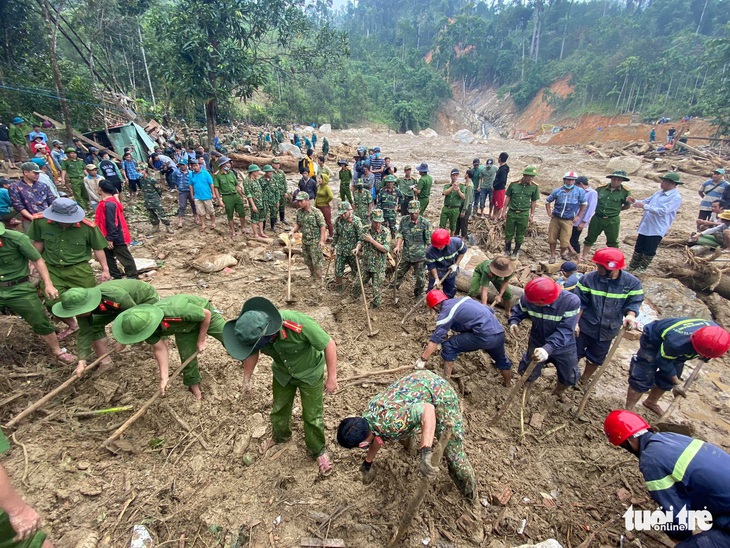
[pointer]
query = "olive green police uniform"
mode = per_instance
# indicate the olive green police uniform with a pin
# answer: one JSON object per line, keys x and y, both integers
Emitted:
{"x": 75, "y": 176}
{"x": 345, "y": 176}
{"x": 452, "y": 208}
{"x": 67, "y": 251}
{"x": 424, "y": 191}
{"x": 521, "y": 197}
{"x": 16, "y": 292}
{"x": 227, "y": 185}
{"x": 606, "y": 219}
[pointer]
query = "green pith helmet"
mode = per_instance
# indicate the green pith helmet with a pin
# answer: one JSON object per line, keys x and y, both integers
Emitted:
{"x": 390, "y": 179}
{"x": 77, "y": 300}
{"x": 137, "y": 324}
{"x": 620, "y": 174}
{"x": 530, "y": 170}
{"x": 253, "y": 168}
{"x": 672, "y": 177}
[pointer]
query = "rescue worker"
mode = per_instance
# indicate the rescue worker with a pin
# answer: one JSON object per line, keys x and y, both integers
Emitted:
{"x": 314, "y": 234}
{"x": 348, "y": 232}
{"x": 664, "y": 347}
{"x": 271, "y": 196}
{"x": 682, "y": 474}
{"x": 152, "y": 195}
{"x": 423, "y": 187}
{"x": 406, "y": 186}
{"x": 570, "y": 204}
{"x": 362, "y": 201}
{"x": 72, "y": 175}
{"x": 454, "y": 198}
{"x": 280, "y": 179}
{"x": 345, "y": 178}
{"x": 375, "y": 245}
{"x": 19, "y": 295}
{"x": 443, "y": 257}
{"x": 497, "y": 272}
{"x": 420, "y": 400}
{"x": 476, "y": 326}
{"x": 612, "y": 200}
{"x": 519, "y": 209}
{"x": 66, "y": 239}
{"x": 229, "y": 194}
{"x": 554, "y": 315}
{"x": 388, "y": 199}
{"x": 255, "y": 196}
{"x": 414, "y": 235}
{"x": 301, "y": 351}
{"x": 95, "y": 307}
{"x": 610, "y": 298}
{"x": 190, "y": 318}
{"x": 569, "y": 276}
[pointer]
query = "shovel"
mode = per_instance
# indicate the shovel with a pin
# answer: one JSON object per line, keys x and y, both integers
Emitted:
{"x": 422, "y": 300}
{"x": 289, "y": 298}
{"x": 395, "y": 278}
{"x": 365, "y": 299}
{"x": 689, "y": 382}
{"x": 601, "y": 371}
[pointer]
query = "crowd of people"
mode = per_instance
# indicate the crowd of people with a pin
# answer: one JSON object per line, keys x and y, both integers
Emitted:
{"x": 574, "y": 319}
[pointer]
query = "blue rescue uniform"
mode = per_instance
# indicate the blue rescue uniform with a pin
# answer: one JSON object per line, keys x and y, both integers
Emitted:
{"x": 604, "y": 304}
{"x": 441, "y": 260}
{"x": 477, "y": 328}
{"x": 687, "y": 473}
{"x": 553, "y": 329}
{"x": 663, "y": 348}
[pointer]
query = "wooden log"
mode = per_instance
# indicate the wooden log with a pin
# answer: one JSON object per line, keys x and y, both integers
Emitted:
{"x": 241, "y": 161}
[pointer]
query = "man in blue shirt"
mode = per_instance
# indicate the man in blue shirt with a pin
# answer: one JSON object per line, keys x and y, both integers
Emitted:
{"x": 477, "y": 328}
{"x": 37, "y": 133}
{"x": 443, "y": 256}
{"x": 682, "y": 474}
{"x": 570, "y": 204}
{"x": 554, "y": 314}
{"x": 377, "y": 166}
{"x": 201, "y": 191}
{"x": 659, "y": 212}
{"x": 711, "y": 191}
{"x": 181, "y": 181}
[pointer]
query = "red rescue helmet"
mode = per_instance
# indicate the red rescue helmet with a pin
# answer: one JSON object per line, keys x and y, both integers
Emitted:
{"x": 621, "y": 425}
{"x": 541, "y": 291}
{"x": 711, "y": 341}
{"x": 610, "y": 258}
{"x": 434, "y": 297}
{"x": 440, "y": 237}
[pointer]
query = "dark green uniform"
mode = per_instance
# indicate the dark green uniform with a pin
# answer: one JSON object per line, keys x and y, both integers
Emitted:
{"x": 521, "y": 197}
{"x": 416, "y": 238}
{"x": 404, "y": 187}
{"x": 298, "y": 363}
{"x": 424, "y": 191}
{"x": 255, "y": 191}
{"x": 361, "y": 203}
{"x": 606, "y": 219}
{"x": 345, "y": 176}
{"x": 16, "y": 292}
{"x": 75, "y": 176}
{"x": 280, "y": 179}
{"x": 346, "y": 235}
{"x": 388, "y": 201}
{"x": 227, "y": 185}
{"x": 67, "y": 251}
{"x": 374, "y": 262}
{"x": 183, "y": 316}
{"x": 271, "y": 199}
{"x": 7, "y": 533}
{"x": 310, "y": 223}
{"x": 483, "y": 277}
{"x": 116, "y": 297}
{"x": 452, "y": 207}
{"x": 152, "y": 194}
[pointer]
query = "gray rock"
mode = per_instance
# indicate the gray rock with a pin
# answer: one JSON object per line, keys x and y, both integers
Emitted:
{"x": 428, "y": 132}
{"x": 464, "y": 136}
{"x": 672, "y": 299}
{"x": 628, "y": 163}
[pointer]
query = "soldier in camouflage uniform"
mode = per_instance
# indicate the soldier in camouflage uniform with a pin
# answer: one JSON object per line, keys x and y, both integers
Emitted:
{"x": 348, "y": 232}
{"x": 362, "y": 201}
{"x": 375, "y": 243}
{"x": 406, "y": 185}
{"x": 388, "y": 199}
{"x": 271, "y": 195}
{"x": 255, "y": 196}
{"x": 414, "y": 236}
{"x": 280, "y": 180}
{"x": 152, "y": 193}
{"x": 314, "y": 234}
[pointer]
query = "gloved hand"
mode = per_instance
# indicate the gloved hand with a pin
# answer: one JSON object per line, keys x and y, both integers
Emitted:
{"x": 514, "y": 330}
{"x": 576, "y": 330}
{"x": 420, "y": 364}
{"x": 540, "y": 354}
{"x": 436, "y": 283}
{"x": 427, "y": 469}
{"x": 366, "y": 469}
{"x": 678, "y": 390}
{"x": 630, "y": 322}
{"x": 453, "y": 268}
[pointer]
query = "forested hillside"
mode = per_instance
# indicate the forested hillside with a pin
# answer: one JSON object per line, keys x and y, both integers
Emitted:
{"x": 380, "y": 61}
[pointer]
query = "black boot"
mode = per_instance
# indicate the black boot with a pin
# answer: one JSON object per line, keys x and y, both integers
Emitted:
{"x": 516, "y": 252}
{"x": 645, "y": 262}
{"x": 508, "y": 247}
{"x": 636, "y": 260}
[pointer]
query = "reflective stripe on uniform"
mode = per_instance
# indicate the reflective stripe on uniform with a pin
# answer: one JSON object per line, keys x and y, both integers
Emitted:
{"x": 550, "y": 317}
{"x": 680, "y": 468}
{"x": 610, "y": 295}
{"x": 451, "y": 312}
{"x": 681, "y": 322}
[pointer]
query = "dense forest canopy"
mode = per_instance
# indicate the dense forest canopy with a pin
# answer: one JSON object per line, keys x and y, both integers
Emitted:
{"x": 384, "y": 61}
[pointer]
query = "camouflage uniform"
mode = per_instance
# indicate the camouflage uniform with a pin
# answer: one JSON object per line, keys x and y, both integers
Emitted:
{"x": 255, "y": 191}
{"x": 151, "y": 192}
{"x": 374, "y": 261}
{"x": 271, "y": 198}
{"x": 416, "y": 237}
{"x": 310, "y": 222}
{"x": 388, "y": 201}
{"x": 362, "y": 199}
{"x": 280, "y": 180}
{"x": 346, "y": 236}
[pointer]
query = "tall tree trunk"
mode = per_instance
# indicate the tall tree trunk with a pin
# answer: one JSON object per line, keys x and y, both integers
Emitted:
{"x": 621, "y": 93}
{"x": 52, "y": 30}
{"x": 702, "y": 16}
{"x": 146, "y": 67}
{"x": 210, "y": 108}
{"x": 565, "y": 29}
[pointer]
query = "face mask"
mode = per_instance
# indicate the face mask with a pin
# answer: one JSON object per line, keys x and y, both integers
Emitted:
{"x": 377, "y": 154}
{"x": 568, "y": 187}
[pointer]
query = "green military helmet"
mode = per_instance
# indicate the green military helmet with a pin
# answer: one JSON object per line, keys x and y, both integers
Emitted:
{"x": 672, "y": 177}
{"x": 268, "y": 169}
{"x": 620, "y": 174}
{"x": 77, "y": 300}
{"x": 390, "y": 179}
{"x": 259, "y": 318}
{"x": 377, "y": 215}
{"x": 253, "y": 168}
{"x": 530, "y": 170}
{"x": 414, "y": 206}
{"x": 137, "y": 324}
{"x": 344, "y": 207}
{"x": 70, "y": 149}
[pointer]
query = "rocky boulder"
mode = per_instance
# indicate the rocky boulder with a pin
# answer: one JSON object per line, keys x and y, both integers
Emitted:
{"x": 672, "y": 299}
{"x": 428, "y": 132}
{"x": 464, "y": 136}
{"x": 326, "y": 129}
{"x": 291, "y": 149}
{"x": 628, "y": 163}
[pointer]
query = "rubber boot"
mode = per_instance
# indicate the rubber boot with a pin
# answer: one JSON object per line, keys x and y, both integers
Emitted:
{"x": 636, "y": 260}
{"x": 508, "y": 247}
{"x": 516, "y": 252}
{"x": 647, "y": 259}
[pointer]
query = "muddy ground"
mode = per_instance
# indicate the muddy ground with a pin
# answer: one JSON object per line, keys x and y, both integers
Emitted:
{"x": 194, "y": 472}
